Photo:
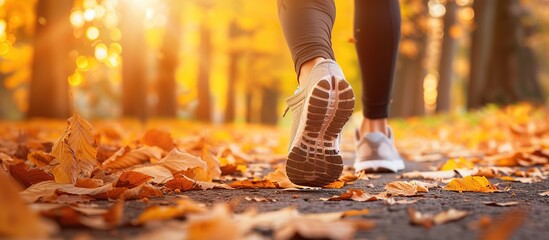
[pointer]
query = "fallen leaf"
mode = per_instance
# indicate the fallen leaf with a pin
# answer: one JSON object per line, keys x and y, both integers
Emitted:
{"x": 503, "y": 204}
{"x": 70, "y": 189}
{"x": 143, "y": 191}
{"x": 521, "y": 179}
{"x": 126, "y": 157}
{"x": 546, "y": 193}
{"x": 26, "y": 176}
{"x": 402, "y": 188}
{"x": 349, "y": 177}
{"x": 16, "y": 219}
{"x": 181, "y": 183}
{"x": 259, "y": 199}
{"x": 252, "y": 184}
{"x": 312, "y": 229}
{"x": 39, "y": 190}
{"x": 280, "y": 178}
{"x": 159, "y": 138}
{"x": 355, "y": 195}
{"x": 177, "y": 161}
{"x": 159, "y": 173}
{"x": 132, "y": 179}
{"x": 88, "y": 183}
{"x": 471, "y": 184}
{"x": 76, "y": 151}
{"x": 158, "y": 213}
{"x": 40, "y": 158}
{"x": 335, "y": 185}
{"x": 353, "y": 213}
{"x": 457, "y": 163}
{"x": 427, "y": 220}
{"x": 212, "y": 163}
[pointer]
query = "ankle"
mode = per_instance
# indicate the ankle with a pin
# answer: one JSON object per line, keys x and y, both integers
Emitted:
{"x": 305, "y": 71}
{"x": 373, "y": 125}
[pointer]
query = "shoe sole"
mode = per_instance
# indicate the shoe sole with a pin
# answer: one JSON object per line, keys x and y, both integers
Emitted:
{"x": 378, "y": 166}
{"x": 314, "y": 159}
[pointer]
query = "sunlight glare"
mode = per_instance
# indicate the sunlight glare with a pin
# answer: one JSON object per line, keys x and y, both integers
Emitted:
{"x": 92, "y": 33}
{"x": 75, "y": 79}
{"x": 76, "y": 18}
{"x": 82, "y": 62}
{"x": 437, "y": 10}
{"x": 101, "y": 51}
{"x": 89, "y": 15}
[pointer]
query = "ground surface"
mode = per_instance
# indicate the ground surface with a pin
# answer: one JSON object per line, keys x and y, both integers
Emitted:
{"x": 392, "y": 221}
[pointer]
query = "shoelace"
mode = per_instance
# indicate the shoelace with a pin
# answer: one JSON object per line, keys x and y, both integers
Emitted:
{"x": 288, "y": 107}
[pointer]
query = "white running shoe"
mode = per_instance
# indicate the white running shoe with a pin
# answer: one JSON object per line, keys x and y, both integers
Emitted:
{"x": 319, "y": 112}
{"x": 376, "y": 152}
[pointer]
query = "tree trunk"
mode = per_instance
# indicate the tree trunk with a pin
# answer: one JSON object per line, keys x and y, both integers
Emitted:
{"x": 203, "y": 111}
{"x": 167, "y": 86}
{"x": 49, "y": 89}
{"x": 445, "y": 69}
{"x": 269, "y": 105}
{"x": 500, "y": 87}
{"x": 480, "y": 50}
{"x": 134, "y": 88}
{"x": 230, "y": 108}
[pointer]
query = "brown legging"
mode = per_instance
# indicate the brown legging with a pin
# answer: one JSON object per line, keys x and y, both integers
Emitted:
{"x": 307, "y": 25}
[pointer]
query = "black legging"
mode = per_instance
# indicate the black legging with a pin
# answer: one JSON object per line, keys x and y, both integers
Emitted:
{"x": 307, "y": 25}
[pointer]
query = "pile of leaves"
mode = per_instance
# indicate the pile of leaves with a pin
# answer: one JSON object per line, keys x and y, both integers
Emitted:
{"x": 60, "y": 172}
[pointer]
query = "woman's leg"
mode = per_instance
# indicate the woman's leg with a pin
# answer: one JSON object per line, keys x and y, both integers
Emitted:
{"x": 377, "y": 33}
{"x": 307, "y": 26}
{"x": 324, "y": 102}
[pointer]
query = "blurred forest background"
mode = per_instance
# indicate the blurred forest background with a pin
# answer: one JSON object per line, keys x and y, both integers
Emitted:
{"x": 227, "y": 61}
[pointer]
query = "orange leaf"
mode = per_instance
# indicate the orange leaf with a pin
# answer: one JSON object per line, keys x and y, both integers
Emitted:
{"x": 40, "y": 159}
{"x": 335, "y": 185}
{"x": 26, "y": 176}
{"x": 125, "y": 157}
{"x": 253, "y": 184}
{"x": 159, "y": 138}
{"x": 471, "y": 184}
{"x": 88, "y": 183}
{"x": 132, "y": 179}
{"x": 457, "y": 163}
{"x": 181, "y": 208}
{"x": 181, "y": 183}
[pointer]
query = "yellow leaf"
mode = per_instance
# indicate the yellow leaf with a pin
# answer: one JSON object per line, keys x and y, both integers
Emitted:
{"x": 214, "y": 171}
{"x": 471, "y": 184}
{"x": 76, "y": 151}
{"x": 281, "y": 179}
{"x": 457, "y": 163}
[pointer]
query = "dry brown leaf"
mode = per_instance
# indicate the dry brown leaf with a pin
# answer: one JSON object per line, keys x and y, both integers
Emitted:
{"x": 159, "y": 173}
{"x": 502, "y": 204}
{"x": 76, "y": 151}
{"x": 427, "y": 220}
{"x": 159, "y": 138}
{"x": 132, "y": 179}
{"x": 280, "y": 178}
{"x": 313, "y": 229}
{"x": 16, "y": 219}
{"x": 402, "y": 188}
{"x": 181, "y": 183}
{"x": 158, "y": 213}
{"x": 177, "y": 161}
{"x": 143, "y": 191}
{"x": 126, "y": 157}
{"x": 355, "y": 195}
{"x": 505, "y": 225}
{"x": 253, "y": 184}
{"x": 521, "y": 179}
{"x": 471, "y": 184}
{"x": 68, "y": 199}
{"x": 214, "y": 171}
{"x": 349, "y": 177}
{"x": 70, "y": 189}
{"x": 26, "y": 176}
{"x": 89, "y": 183}
{"x": 259, "y": 199}
{"x": 39, "y": 190}
{"x": 353, "y": 213}
{"x": 546, "y": 193}
{"x": 40, "y": 158}
{"x": 210, "y": 185}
